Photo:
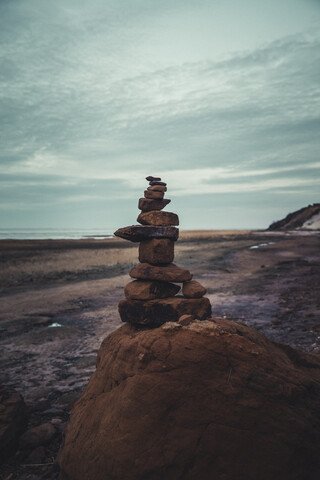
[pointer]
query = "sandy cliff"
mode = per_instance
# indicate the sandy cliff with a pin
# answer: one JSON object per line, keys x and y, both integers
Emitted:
{"x": 305, "y": 218}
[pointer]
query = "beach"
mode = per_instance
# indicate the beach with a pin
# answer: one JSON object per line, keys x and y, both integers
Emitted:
{"x": 59, "y": 301}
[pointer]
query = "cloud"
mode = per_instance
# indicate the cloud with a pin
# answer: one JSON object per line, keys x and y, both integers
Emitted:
{"x": 79, "y": 104}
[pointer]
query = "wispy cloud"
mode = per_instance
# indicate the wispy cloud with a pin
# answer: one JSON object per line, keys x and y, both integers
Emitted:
{"x": 80, "y": 106}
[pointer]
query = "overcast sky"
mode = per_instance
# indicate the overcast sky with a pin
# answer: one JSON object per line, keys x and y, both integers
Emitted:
{"x": 219, "y": 98}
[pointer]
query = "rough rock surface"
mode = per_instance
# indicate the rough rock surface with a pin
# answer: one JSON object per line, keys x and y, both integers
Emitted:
{"x": 153, "y": 194}
{"x": 193, "y": 289}
{"x": 156, "y": 182}
{"x": 138, "y": 233}
{"x": 185, "y": 320}
{"x": 156, "y": 251}
{"x": 13, "y": 420}
{"x": 157, "y": 188}
{"x": 212, "y": 400}
{"x": 150, "y": 178}
{"x": 148, "y": 290}
{"x": 168, "y": 273}
{"x": 157, "y": 217}
{"x": 153, "y": 313}
{"x": 146, "y": 204}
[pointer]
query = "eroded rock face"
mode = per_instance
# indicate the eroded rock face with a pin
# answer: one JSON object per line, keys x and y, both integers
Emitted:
{"x": 167, "y": 273}
{"x": 13, "y": 420}
{"x": 211, "y": 400}
{"x": 153, "y": 313}
{"x": 149, "y": 290}
{"x": 156, "y": 251}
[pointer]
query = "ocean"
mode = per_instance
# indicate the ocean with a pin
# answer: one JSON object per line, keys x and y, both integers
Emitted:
{"x": 53, "y": 233}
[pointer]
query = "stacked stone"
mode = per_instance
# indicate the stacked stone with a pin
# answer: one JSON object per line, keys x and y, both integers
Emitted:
{"x": 151, "y": 298}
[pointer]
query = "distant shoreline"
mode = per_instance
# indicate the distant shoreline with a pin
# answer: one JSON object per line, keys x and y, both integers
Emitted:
{"x": 73, "y": 236}
{"x": 108, "y": 238}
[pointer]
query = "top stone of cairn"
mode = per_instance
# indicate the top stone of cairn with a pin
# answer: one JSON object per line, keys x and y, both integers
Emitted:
{"x": 153, "y": 179}
{"x": 153, "y": 198}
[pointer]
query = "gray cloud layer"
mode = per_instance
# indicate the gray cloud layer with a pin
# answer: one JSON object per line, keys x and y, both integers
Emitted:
{"x": 84, "y": 117}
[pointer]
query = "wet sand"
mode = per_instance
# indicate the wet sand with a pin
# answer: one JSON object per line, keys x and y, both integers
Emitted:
{"x": 59, "y": 300}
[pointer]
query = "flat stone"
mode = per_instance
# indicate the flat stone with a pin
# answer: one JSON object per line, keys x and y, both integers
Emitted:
{"x": 147, "y": 204}
{"x": 156, "y": 217}
{"x": 156, "y": 251}
{"x": 153, "y": 195}
{"x": 155, "y": 182}
{"x": 138, "y": 233}
{"x": 185, "y": 320}
{"x": 154, "y": 313}
{"x": 148, "y": 290}
{"x": 193, "y": 289}
{"x": 157, "y": 188}
{"x": 153, "y": 179}
{"x": 168, "y": 273}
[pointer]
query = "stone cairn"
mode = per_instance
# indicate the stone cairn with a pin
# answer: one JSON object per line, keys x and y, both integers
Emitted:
{"x": 151, "y": 298}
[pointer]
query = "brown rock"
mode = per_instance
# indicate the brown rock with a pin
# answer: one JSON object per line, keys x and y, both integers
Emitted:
{"x": 156, "y": 251}
{"x": 153, "y": 179}
{"x": 193, "y": 289}
{"x": 214, "y": 400}
{"x": 148, "y": 290}
{"x": 168, "y": 273}
{"x": 153, "y": 195}
{"x": 157, "y": 188}
{"x": 13, "y": 420}
{"x": 153, "y": 313}
{"x": 36, "y": 436}
{"x": 185, "y": 320}
{"x": 138, "y": 233}
{"x": 156, "y": 182}
{"x": 146, "y": 204}
{"x": 156, "y": 217}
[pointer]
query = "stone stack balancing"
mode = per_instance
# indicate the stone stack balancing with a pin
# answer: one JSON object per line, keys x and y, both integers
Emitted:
{"x": 151, "y": 297}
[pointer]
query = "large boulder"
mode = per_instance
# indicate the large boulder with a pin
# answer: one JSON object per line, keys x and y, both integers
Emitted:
{"x": 13, "y": 420}
{"x": 211, "y": 400}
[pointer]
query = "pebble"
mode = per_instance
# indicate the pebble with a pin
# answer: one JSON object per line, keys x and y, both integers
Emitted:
{"x": 163, "y": 184}
{"x": 56, "y": 421}
{"x": 185, "y": 320}
{"x": 193, "y": 289}
{"x": 153, "y": 179}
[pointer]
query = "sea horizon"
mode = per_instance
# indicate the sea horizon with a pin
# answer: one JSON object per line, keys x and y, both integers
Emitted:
{"x": 54, "y": 233}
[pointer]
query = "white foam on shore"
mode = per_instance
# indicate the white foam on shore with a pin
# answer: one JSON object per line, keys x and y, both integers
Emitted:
{"x": 261, "y": 245}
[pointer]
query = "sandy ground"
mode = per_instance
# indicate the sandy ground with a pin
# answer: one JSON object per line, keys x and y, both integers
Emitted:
{"x": 59, "y": 300}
